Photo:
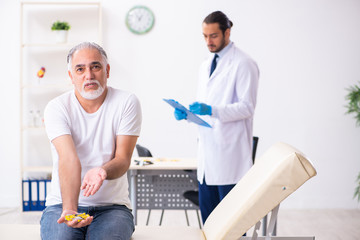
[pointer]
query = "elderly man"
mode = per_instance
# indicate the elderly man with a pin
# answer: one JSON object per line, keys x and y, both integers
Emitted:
{"x": 93, "y": 130}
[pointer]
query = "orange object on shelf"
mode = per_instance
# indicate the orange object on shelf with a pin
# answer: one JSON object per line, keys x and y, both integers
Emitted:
{"x": 41, "y": 72}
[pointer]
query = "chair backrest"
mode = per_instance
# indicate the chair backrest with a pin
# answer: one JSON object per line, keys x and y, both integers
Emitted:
{"x": 255, "y": 143}
{"x": 143, "y": 151}
{"x": 276, "y": 174}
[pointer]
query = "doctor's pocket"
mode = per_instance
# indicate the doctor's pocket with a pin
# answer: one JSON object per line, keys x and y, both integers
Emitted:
{"x": 225, "y": 133}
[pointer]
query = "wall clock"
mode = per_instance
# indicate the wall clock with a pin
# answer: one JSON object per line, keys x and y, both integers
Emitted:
{"x": 140, "y": 19}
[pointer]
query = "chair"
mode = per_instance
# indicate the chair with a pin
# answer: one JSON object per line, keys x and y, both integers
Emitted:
{"x": 255, "y": 143}
{"x": 193, "y": 195}
{"x": 143, "y": 151}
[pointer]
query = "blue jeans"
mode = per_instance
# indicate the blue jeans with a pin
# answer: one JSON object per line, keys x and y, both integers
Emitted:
{"x": 110, "y": 222}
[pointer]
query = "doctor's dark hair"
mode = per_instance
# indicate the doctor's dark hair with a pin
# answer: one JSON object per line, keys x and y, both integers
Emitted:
{"x": 220, "y": 18}
{"x": 86, "y": 45}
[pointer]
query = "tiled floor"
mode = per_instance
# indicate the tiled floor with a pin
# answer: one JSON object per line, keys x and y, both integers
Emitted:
{"x": 336, "y": 224}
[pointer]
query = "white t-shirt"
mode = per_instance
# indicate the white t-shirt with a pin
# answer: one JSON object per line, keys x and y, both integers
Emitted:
{"x": 94, "y": 135}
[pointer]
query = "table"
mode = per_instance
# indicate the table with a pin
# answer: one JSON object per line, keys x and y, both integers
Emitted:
{"x": 160, "y": 185}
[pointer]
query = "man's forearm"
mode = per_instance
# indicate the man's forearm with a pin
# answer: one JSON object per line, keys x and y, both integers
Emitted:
{"x": 116, "y": 167}
{"x": 69, "y": 171}
{"x": 70, "y": 181}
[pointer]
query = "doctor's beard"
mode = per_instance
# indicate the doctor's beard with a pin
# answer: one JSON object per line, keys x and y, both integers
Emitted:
{"x": 215, "y": 49}
{"x": 92, "y": 94}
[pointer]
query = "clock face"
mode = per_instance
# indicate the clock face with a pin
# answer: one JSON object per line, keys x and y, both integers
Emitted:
{"x": 140, "y": 20}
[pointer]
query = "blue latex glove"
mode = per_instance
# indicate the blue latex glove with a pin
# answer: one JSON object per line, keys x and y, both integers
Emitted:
{"x": 179, "y": 114}
{"x": 200, "y": 108}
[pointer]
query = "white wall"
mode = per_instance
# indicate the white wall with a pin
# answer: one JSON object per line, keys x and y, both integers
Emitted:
{"x": 308, "y": 53}
{"x": 9, "y": 99}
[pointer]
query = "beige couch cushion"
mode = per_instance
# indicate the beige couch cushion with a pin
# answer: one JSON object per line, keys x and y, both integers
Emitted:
{"x": 167, "y": 233}
{"x": 20, "y": 231}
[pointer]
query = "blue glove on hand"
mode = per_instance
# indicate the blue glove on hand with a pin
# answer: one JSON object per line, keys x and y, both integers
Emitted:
{"x": 200, "y": 108}
{"x": 179, "y": 114}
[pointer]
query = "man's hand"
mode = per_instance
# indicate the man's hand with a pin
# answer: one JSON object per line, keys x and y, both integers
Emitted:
{"x": 200, "y": 108}
{"x": 179, "y": 114}
{"x": 93, "y": 180}
{"x": 74, "y": 223}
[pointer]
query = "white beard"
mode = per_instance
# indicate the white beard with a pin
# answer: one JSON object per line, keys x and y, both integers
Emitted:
{"x": 92, "y": 94}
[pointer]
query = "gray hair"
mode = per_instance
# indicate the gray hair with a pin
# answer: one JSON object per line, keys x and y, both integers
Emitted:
{"x": 86, "y": 45}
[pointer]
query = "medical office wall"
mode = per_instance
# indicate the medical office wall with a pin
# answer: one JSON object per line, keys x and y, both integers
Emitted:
{"x": 307, "y": 52}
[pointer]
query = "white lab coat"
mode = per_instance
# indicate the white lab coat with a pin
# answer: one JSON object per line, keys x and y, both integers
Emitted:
{"x": 225, "y": 150}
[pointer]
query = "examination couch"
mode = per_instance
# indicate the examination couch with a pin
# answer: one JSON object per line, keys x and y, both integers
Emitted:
{"x": 280, "y": 171}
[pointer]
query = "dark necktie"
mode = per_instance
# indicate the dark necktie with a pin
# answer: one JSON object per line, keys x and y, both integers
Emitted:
{"x": 213, "y": 64}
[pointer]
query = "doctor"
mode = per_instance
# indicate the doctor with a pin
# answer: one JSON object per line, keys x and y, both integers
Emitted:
{"x": 228, "y": 83}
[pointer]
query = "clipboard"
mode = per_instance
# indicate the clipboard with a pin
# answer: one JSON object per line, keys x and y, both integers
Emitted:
{"x": 190, "y": 116}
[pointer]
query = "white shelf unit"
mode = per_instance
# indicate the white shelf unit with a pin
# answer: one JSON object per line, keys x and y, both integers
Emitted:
{"x": 38, "y": 48}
